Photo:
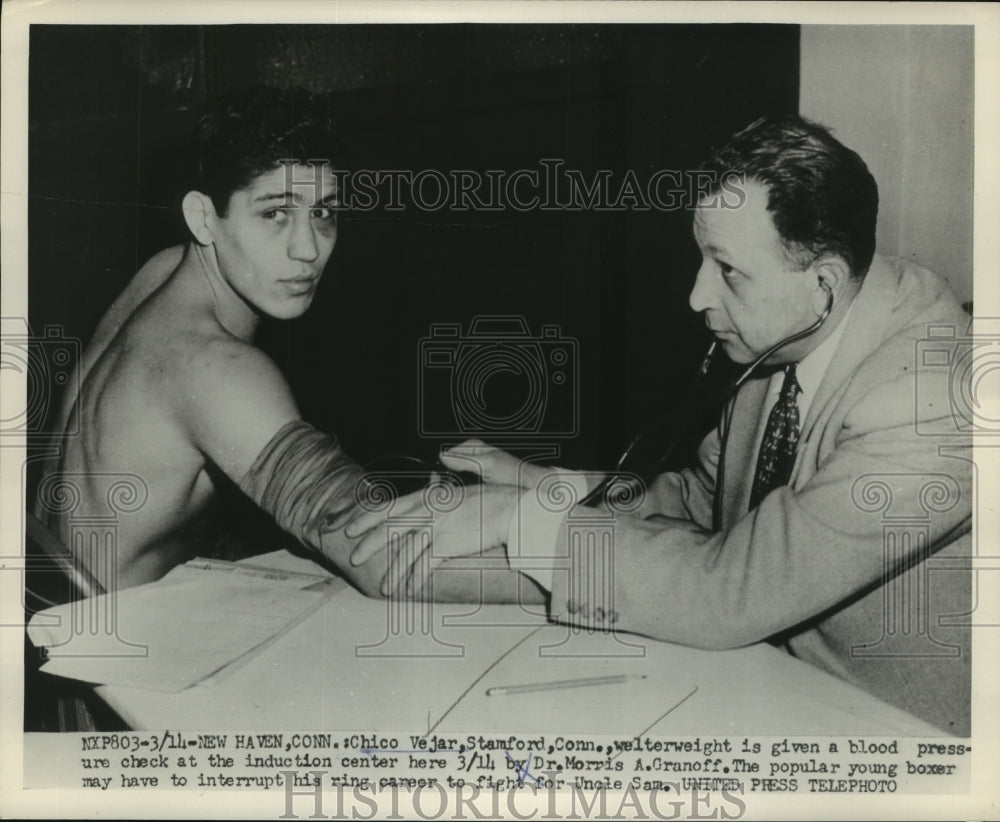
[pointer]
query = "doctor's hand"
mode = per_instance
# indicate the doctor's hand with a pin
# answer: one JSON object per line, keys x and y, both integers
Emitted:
{"x": 493, "y": 465}
{"x": 478, "y": 523}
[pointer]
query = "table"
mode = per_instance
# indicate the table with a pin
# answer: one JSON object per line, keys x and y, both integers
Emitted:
{"x": 367, "y": 665}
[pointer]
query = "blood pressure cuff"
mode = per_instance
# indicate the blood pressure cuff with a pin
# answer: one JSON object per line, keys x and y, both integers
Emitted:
{"x": 305, "y": 481}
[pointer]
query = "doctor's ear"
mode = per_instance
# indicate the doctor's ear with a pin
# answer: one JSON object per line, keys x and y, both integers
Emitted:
{"x": 200, "y": 216}
{"x": 833, "y": 274}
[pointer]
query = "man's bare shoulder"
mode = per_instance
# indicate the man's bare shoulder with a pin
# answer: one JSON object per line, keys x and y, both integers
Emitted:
{"x": 228, "y": 396}
{"x": 172, "y": 326}
{"x": 147, "y": 281}
{"x": 151, "y": 277}
{"x": 220, "y": 362}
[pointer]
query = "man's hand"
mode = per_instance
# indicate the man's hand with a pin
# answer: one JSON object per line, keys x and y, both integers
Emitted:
{"x": 479, "y": 523}
{"x": 493, "y": 465}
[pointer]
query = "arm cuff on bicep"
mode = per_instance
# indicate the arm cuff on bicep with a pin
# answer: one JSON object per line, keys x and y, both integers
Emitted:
{"x": 305, "y": 481}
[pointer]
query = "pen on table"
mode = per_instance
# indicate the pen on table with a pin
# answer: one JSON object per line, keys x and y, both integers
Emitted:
{"x": 562, "y": 683}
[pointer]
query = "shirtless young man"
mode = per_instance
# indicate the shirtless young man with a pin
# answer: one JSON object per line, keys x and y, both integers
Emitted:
{"x": 173, "y": 390}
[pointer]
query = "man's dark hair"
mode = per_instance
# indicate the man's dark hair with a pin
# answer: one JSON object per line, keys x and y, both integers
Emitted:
{"x": 821, "y": 195}
{"x": 246, "y": 131}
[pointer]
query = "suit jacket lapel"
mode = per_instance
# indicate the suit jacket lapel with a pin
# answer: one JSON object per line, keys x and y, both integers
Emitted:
{"x": 738, "y": 454}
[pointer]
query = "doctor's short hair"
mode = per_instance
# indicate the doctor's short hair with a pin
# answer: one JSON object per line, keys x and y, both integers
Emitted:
{"x": 821, "y": 195}
{"x": 246, "y": 131}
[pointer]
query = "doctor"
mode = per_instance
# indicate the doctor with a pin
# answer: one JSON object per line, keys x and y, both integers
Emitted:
{"x": 775, "y": 533}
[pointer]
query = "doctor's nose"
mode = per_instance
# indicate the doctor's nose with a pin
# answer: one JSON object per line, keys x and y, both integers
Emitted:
{"x": 703, "y": 292}
{"x": 302, "y": 243}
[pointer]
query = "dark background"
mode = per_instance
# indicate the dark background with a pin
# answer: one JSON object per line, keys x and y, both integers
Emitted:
{"x": 111, "y": 107}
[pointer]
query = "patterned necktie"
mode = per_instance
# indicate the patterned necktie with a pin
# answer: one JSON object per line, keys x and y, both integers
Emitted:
{"x": 781, "y": 438}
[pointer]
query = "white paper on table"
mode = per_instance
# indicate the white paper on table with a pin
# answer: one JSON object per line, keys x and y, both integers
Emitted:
{"x": 196, "y": 624}
{"x": 554, "y": 654}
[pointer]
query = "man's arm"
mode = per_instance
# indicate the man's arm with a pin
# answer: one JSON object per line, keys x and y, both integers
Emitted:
{"x": 528, "y": 525}
{"x": 240, "y": 413}
{"x": 798, "y": 554}
{"x": 243, "y": 417}
{"x": 685, "y": 498}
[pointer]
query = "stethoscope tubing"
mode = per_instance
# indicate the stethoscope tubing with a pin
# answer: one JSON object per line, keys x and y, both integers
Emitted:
{"x": 706, "y": 363}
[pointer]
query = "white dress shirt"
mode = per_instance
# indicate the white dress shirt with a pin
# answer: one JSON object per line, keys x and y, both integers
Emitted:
{"x": 534, "y": 528}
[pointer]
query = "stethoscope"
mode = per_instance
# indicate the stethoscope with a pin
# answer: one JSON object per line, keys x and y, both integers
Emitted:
{"x": 617, "y": 475}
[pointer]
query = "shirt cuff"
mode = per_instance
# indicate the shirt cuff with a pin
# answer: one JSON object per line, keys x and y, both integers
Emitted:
{"x": 533, "y": 531}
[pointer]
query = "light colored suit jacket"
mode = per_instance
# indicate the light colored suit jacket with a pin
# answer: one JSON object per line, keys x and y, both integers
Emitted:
{"x": 847, "y": 566}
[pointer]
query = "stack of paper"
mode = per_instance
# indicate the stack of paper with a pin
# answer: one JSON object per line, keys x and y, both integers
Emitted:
{"x": 198, "y": 623}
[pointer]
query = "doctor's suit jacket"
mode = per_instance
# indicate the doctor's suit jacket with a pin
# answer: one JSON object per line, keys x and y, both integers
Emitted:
{"x": 850, "y": 566}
